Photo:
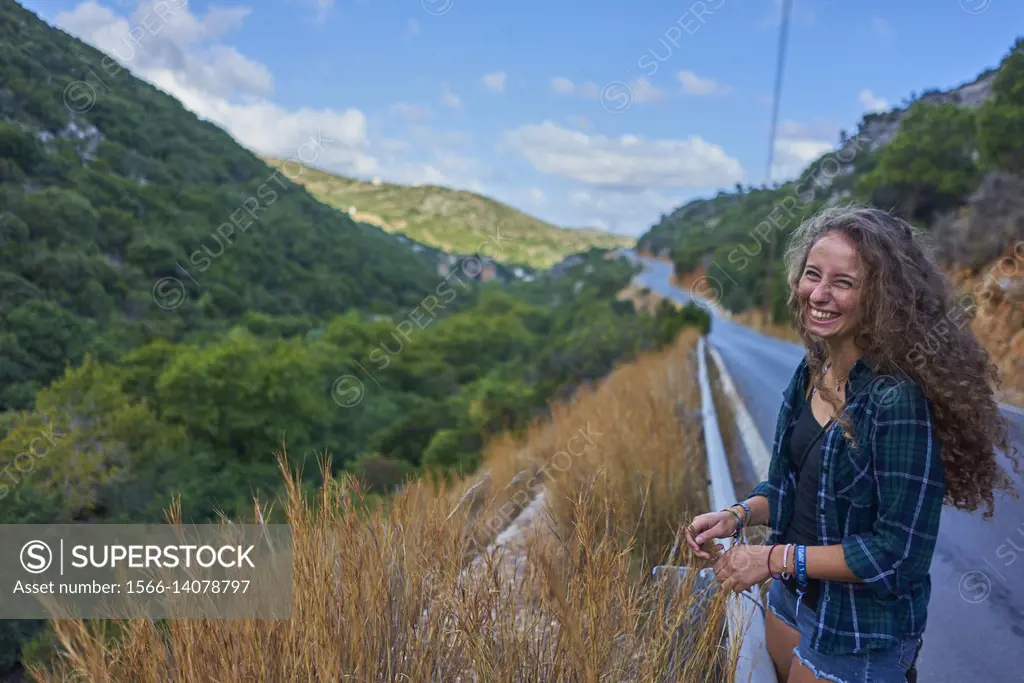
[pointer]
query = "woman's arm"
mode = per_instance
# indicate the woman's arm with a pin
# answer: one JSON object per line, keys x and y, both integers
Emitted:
{"x": 746, "y": 565}
{"x": 825, "y": 562}
{"x": 910, "y": 479}
{"x": 759, "y": 513}
{"x": 898, "y": 550}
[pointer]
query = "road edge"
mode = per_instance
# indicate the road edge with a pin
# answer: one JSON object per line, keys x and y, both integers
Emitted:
{"x": 746, "y": 613}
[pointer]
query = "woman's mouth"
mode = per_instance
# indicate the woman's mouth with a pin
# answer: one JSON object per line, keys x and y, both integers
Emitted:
{"x": 824, "y": 317}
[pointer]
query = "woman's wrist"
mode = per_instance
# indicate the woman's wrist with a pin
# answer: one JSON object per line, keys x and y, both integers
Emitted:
{"x": 735, "y": 516}
{"x": 753, "y": 510}
{"x": 775, "y": 559}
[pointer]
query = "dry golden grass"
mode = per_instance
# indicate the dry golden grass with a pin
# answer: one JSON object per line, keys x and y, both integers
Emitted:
{"x": 998, "y": 291}
{"x": 567, "y": 598}
{"x": 643, "y": 298}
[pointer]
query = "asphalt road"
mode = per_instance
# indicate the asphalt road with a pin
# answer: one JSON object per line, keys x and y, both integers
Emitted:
{"x": 975, "y": 625}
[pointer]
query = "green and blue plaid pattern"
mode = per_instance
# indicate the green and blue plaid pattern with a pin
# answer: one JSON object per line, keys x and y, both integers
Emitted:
{"x": 882, "y": 501}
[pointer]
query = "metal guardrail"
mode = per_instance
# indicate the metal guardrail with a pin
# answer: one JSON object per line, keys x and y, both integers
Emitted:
{"x": 744, "y": 611}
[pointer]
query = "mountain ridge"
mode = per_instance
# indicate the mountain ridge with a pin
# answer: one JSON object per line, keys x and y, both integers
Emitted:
{"x": 448, "y": 219}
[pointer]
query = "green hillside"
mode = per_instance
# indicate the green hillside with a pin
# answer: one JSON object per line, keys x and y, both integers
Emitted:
{"x": 173, "y": 311}
{"x": 451, "y": 220}
{"x": 105, "y": 199}
{"x": 949, "y": 162}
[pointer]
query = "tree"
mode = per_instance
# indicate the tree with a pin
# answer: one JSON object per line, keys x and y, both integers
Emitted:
{"x": 1001, "y": 117}
{"x": 929, "y": 165}
{"x": 85, "y": 438}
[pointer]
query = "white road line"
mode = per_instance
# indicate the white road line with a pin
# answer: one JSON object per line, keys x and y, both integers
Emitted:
{"x": 759, "y": 454}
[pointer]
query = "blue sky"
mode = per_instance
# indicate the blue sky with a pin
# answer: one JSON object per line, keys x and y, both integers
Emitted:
{"x": 579, "y": 112}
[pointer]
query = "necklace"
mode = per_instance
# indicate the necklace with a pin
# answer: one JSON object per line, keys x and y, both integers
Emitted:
{"x": 839, "y": 380}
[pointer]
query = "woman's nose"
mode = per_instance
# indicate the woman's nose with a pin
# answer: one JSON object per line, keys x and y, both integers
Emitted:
{"x": 821, "y": 293}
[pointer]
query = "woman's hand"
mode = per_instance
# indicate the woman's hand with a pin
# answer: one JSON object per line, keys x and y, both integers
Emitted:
{"x": 742, "y": 567}
{"x": 707, "y": 527}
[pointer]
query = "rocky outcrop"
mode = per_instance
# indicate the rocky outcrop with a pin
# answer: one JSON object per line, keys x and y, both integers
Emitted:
{"x": 878, "y": 129}
{"x": 989, "y": 225}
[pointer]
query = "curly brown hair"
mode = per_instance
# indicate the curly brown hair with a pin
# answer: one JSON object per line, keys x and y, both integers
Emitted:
{"x": 906, "y": 303}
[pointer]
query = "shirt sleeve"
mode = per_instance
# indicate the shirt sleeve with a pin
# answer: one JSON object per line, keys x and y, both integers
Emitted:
{"x": 910, "y": 481}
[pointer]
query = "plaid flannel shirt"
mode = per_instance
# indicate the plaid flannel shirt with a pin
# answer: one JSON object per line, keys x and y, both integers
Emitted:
{"x": 882, "y": 502}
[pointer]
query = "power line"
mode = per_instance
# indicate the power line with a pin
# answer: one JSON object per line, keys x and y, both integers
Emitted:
{"x": 787, "y": 8}
{"x": 780, "y": 66}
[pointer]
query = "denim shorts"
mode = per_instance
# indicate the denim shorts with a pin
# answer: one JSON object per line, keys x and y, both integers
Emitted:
{"x": 874, "y": 666}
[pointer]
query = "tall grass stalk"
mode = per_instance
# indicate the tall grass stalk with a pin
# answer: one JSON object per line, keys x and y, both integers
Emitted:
{"x": 417, "y": 590}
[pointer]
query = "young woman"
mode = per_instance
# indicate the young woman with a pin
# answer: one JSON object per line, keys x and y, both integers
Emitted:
{"x": 875, "y": 432}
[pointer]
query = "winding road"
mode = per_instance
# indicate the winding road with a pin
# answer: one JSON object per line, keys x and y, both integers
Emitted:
{"x": 975, "y": 625}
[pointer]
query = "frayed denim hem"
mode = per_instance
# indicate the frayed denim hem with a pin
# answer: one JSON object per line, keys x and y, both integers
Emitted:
{"x": 817, "y": 674}
{"x": 783, "y": 618}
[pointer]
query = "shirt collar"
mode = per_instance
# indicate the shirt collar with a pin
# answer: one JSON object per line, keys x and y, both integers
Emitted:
{"x": 861, "y": 373}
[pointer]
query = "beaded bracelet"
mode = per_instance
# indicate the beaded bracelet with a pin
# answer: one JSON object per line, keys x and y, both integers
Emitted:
{"x": 746, "y": 509}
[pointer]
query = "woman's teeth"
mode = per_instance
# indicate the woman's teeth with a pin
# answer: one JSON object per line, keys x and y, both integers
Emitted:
{"x": 823, "y": 315}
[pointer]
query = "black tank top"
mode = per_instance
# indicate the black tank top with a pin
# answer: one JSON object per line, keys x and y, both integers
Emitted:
{"x": 805, "y": 444}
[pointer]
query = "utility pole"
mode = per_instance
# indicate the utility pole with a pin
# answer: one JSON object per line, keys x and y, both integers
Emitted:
{"x": 769, "y": 291}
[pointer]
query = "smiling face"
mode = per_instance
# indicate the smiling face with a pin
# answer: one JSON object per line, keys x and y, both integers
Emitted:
{"x": 830, "y": 288}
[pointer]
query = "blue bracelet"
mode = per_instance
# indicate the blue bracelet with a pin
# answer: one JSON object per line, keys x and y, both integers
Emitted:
{"x": 801, "y": 565}
{"x": 746, "y": 509}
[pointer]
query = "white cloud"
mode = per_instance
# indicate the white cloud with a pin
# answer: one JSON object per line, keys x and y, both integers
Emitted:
{"x": 798, "y": 144}
{"x": 643, "y": 91}
{"x": 627, "y": 162}
{"x": 870, "y": 102}
{"x": 174, "y": 40}
{"x": 450, "y": 99}
{"x": 180, "y": 54}
{"x": 562, "y": 85}
{"x": 495, "y": 82}
{"x": 536, "y": 196}
{"x": 410, "y": 112}
{"x": 177, "y": 52}
{"x": 695, "y": 85}
{"x": 630, "y": 213}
